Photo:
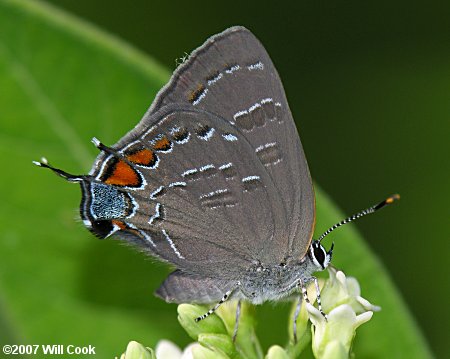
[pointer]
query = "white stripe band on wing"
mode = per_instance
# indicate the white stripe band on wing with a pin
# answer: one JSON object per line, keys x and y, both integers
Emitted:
{"x": 251, "y": 178}
{"x": 172, "y": 245}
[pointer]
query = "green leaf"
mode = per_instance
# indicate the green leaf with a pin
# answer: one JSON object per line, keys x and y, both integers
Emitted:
{"x": 62, "y": 83}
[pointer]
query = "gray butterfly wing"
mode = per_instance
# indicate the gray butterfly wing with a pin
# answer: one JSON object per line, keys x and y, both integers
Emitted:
{"x": 232, "y": 76}
{"x": 185, "y": 288}
{"x": 203, "y": 201}
{"x": 214, "y": 175}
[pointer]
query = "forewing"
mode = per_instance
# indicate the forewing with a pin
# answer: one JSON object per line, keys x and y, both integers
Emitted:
{"x": 232, "y": 76}
{"x": 215, "y": 170}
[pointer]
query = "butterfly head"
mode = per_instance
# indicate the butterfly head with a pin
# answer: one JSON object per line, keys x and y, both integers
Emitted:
{"x": 319, "y": 256}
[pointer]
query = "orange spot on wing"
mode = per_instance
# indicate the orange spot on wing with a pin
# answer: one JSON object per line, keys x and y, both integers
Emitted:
{"x": 162, "y": 144}
{"x": 119, "y": 224}
{"x": 142, "y": 157}
{"x": 123, "y": 175}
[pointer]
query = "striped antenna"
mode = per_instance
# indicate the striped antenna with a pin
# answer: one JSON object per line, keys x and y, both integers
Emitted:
{"x": 369, "y": 210}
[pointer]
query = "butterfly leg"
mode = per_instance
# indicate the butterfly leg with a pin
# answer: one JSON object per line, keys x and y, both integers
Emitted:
{"x": 297, "y": 312}
{"x": 236, "y": 323}
{"x": 302, "y": 285}
{"x": 319, "y": 303}
{"x": 212, "y": 310}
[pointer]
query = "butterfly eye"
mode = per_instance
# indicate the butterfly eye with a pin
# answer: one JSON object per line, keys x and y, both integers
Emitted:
{"x": 319, "y": 255}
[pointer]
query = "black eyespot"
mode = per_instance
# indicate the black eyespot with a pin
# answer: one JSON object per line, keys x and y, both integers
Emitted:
{"x": 319, "y": 254}
{"x": 101, "y": 228}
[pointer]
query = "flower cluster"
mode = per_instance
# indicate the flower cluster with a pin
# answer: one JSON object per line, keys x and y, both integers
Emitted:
{"x": 347, "y": 310}
{"x": 331, "y": 337}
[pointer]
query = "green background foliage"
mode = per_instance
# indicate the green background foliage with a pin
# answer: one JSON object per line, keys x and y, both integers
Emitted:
{"x": 368, "y": 86}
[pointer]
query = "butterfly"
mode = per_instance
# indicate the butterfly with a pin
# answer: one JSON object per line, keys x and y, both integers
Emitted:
{"x": 214, "y": 181}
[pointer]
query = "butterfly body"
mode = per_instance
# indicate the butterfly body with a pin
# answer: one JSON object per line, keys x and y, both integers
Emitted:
{"x": 274, "y": 283}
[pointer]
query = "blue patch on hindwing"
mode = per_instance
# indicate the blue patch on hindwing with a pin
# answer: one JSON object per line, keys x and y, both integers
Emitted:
{"x": 108, "y": 202}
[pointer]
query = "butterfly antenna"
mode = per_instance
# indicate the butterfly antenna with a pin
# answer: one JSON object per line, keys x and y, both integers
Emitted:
{"x": 364, "y": 212}
{"x": 69, "y": 177}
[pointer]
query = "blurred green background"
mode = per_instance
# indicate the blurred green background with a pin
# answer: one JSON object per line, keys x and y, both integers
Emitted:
{"x": 369, "y": 86}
